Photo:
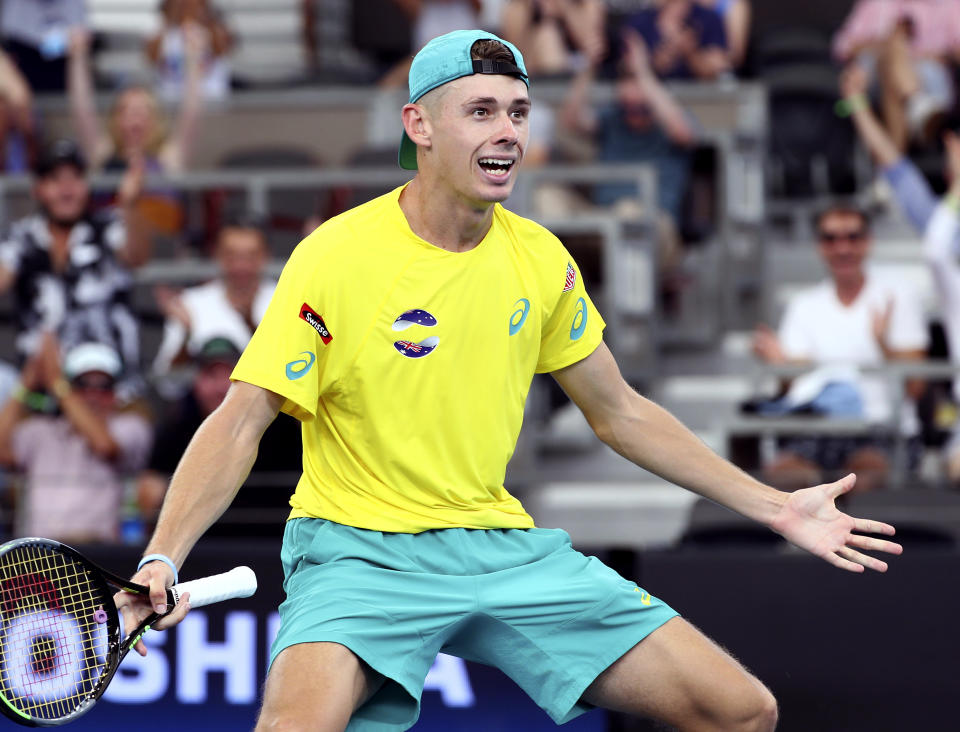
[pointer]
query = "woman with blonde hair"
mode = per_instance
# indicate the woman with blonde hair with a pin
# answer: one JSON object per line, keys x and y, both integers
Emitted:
{"x": 135, "y": 132}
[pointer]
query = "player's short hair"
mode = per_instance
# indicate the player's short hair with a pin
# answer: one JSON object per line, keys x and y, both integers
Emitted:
{"x": 489, "y": 49}
{"x": 849, "y": 208}
{"x": 486, "y": 49}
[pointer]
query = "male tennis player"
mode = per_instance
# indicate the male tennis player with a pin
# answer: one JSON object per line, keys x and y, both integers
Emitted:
{"x": 404, "y": 334}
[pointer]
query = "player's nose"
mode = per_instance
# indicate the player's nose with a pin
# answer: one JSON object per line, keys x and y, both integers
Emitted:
{"x": 507, "y": 132}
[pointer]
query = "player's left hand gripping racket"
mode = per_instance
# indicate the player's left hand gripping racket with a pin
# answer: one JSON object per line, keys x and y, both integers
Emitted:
{"x": 61, "y": 639}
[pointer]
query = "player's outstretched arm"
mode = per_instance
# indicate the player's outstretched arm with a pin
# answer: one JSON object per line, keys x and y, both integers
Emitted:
{"x": 651, "y": 437}
{"x": 211, "y": 471}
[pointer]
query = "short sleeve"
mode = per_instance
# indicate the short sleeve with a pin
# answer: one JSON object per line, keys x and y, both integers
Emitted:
{"x": 288, "y": 350}
{"x": 574, "y": 328}
{"x": 908, "y": 328}
{"x": 911, "y": 191}
{"x": 10, "y": 254}
{"x": 794, "y": 333}
{"x": 134, "y": 435}
{"x": 115, "y": 232}
{"x": 712, "y": 32}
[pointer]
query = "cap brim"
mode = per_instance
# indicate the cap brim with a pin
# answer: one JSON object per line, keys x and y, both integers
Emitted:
{"x": 407, "y": 157}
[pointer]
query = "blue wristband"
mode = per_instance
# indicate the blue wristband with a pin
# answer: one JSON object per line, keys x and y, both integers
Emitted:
{"x": 160, "y": 558}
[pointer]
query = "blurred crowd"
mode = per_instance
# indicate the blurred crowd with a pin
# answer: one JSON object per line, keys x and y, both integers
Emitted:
{"x": 92, "y": 424}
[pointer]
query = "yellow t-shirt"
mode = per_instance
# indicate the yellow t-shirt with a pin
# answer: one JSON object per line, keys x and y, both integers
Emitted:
{"x": 409, "y": 365}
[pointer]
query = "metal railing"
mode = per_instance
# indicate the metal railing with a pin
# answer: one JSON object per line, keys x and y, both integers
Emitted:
{"x": 895, "y": 375}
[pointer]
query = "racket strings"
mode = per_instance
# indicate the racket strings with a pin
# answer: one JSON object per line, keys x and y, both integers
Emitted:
{"x": 54, "y": 637}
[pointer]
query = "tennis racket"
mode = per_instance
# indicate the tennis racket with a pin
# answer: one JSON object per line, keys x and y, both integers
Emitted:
{"x": 61, "y": 639}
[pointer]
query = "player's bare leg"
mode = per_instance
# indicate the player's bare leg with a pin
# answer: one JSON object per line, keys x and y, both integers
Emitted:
{"x": 315, "y": 687}
{"x": 679, "y": 676}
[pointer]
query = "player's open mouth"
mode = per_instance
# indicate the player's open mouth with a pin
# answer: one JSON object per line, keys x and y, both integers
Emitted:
{"x": 496, "y": 167}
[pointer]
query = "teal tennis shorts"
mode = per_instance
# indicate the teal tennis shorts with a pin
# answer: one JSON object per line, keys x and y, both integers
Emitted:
{"x": 524, "y": 601}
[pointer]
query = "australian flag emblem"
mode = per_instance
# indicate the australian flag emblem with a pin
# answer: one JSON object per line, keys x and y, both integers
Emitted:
{"x": 571, "y": 278}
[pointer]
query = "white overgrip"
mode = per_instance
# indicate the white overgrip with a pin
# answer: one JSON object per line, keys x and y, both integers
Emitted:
{"x": 238, "y": 582}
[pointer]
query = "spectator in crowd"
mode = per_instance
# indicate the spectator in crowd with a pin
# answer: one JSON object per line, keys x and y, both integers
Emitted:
{"x": 858, "y": 316}
{"x": 16, "y": 119}
{"x": 167, "y": 50}
{"x": 280, "y": 451}
{"x": 736, "y": 16}
{"x": 916, "y": 199}
{"x": 69, "y": 268}
{"x": 35, "y": 35}
{"x": 74, "y": 463}
{"x": 230, "y": 305}
{"x": 910, "y": 189}
{"x": 556, "y": 37}
{"x": 942, "y": 253}
{"x": 644, "y": 125}
{"x": 907, "y": 47}
{"x": 135, "y": 130}
{"x": 686, "y": 39}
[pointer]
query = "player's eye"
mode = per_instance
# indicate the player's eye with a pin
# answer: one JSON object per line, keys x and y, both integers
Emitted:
{"x": 480, "y": 112}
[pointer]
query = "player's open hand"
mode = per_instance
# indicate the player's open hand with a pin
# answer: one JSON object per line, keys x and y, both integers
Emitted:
{"x": 136, "y": 608}
{"x": 810, "y": 520}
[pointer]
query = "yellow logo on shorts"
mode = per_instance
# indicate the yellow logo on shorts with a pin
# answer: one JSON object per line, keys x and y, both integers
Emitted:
{"x": 644, "y": 597}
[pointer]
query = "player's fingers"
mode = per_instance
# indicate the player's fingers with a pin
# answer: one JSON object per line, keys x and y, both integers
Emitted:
{"x": 867, "y": 526}
{"x": 176, "y": 615}
{"x": 874, "y": 545}
{"x": 841, "y": 486}
{"x": 838, "y": 561}
{"x": 131, "y": 621}
{"x": 866, "y": 560}
{"x": 158, "y": 593}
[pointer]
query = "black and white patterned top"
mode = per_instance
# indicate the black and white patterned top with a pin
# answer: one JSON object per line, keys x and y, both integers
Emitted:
{"x": 88, "y": 301}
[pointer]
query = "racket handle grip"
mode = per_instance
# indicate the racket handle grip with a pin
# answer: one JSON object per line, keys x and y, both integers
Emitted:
{"x": 238, "y": 582}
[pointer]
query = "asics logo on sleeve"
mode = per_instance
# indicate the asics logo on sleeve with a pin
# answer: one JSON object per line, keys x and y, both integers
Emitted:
{"x": 519, "y": 316}
{"x": 300, "y": 366}
{"x": 579, "y": 324}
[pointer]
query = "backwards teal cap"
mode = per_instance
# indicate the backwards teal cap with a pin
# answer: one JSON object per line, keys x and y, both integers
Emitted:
{"x": 446, "y": 58}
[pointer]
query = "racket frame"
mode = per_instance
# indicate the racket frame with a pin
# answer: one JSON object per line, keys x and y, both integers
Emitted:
{"x": 117, "y": 646}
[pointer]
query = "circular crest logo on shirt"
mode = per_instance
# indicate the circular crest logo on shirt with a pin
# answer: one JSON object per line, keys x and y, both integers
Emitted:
{"x": 414, "y": 317}
{"x": 410, "y": 348}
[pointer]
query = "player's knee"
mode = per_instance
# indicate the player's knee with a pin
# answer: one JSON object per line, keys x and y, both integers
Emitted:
{"x": 760, "y": 712}
{"x": 296, "y": 723}
{"x": 747, "y": 707}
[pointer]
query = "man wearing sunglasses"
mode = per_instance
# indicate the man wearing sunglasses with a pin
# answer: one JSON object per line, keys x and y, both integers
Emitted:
{"x": 75, "y": 459}
{"x": 858, "y": 316}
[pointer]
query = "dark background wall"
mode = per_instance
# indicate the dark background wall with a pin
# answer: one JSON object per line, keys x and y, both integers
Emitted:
{"x": 842, "y": 652}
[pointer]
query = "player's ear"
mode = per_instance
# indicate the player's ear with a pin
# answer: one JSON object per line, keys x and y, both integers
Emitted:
{"x": 416, "y": 123}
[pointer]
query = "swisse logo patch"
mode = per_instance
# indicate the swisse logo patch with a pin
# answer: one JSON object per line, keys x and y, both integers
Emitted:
{"x": 314, "y": 320}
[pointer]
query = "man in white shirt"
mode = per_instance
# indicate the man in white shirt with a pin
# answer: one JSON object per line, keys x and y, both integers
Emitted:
{"x": 229, "y": 306}
{"x": 859, "y": 316}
